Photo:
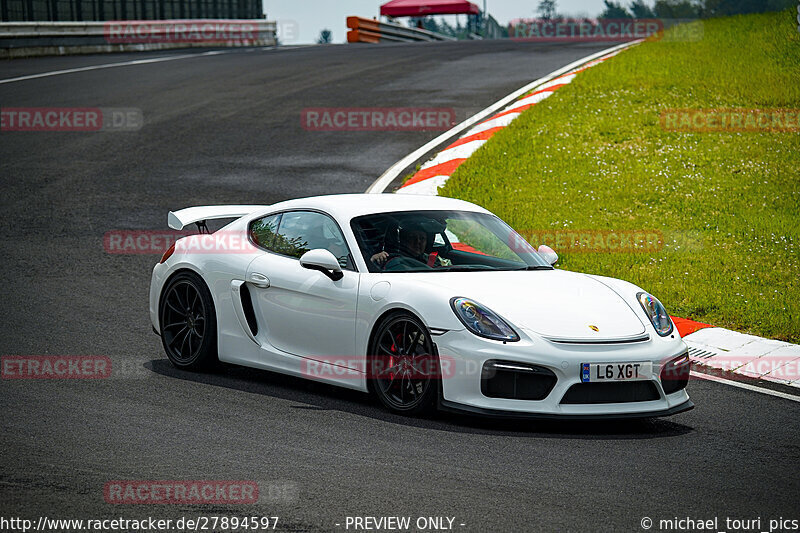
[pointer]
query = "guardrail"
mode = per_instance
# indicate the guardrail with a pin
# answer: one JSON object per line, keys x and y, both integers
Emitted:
{"x": 24, "y": 39}
{"x": 364, "y": 30}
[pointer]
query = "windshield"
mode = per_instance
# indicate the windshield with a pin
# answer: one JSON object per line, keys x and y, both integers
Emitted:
{"x": 442, "y": 241}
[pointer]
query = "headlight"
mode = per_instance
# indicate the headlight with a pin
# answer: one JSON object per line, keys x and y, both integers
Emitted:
{"x": 481, "y": 321}
{"x": 656, "y": 313}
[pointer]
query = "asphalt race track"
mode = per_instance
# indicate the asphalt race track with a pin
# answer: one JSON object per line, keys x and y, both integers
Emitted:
{"x": 226, "y": 129}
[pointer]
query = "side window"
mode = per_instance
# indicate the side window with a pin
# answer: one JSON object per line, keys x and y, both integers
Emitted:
{"x": 264, "y": 230}
{"x": 301, "y": 231}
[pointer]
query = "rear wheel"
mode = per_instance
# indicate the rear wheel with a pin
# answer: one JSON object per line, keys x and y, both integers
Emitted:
{"x": 188, "y": 322}
{"x": 403, "y": 366}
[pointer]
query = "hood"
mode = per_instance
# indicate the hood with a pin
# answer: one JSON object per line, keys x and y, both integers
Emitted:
{"x": 556, "y": 304}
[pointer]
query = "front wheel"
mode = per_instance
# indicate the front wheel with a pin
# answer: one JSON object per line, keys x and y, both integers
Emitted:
{"x": 188, "y": 322}
{"x": 403, "y": 366}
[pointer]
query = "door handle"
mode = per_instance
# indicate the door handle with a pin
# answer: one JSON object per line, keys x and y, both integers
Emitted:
{"x": 259, "y": 280}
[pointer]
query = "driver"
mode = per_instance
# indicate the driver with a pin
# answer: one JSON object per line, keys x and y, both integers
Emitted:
{"x": 413, "y": 243}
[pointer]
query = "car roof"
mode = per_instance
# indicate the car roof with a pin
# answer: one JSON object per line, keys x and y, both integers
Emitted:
{"x": 347, "y": 206}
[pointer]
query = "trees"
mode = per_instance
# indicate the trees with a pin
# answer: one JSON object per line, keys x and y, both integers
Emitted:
{"x": 430, "y": 24}
{"x": 640, "y": 10}
{"x": 677, "y": 9}
{"x": 547, "y": 9}
{"x": 325, "y": 36}
{"x": 614, "y": 10}
{"x": 686, "y": 9}
{"x": 718, "y": 8}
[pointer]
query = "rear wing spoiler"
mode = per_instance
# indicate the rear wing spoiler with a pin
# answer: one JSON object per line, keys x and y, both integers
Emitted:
{"x": 180, "y": 219}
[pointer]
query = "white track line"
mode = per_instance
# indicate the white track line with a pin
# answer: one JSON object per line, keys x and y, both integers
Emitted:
{"x": 532, "y": 99}
{"x": 111, "y": 65}
{"x": 380, "y": 184}
{"x": 426, "y": 187}
{"x": 745, "y": 386}
{"x": 462, "y": 151}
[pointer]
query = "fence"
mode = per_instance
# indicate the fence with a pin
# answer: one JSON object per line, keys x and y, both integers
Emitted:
{"x": 23, "y": 39}
{"x": 364, "y": 30}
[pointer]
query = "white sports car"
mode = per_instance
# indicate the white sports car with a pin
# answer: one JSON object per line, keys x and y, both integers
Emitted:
{"x": 423, "y": 301}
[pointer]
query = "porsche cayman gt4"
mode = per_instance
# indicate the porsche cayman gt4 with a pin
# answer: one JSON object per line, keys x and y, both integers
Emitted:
{"x": 425, "y": 302}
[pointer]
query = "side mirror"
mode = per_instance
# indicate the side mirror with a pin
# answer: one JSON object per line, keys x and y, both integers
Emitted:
{"x": 548, "y": 254}
{"x": 324, "y": 261}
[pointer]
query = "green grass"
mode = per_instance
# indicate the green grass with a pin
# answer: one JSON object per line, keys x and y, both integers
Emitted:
{"x": 594, "y": 157}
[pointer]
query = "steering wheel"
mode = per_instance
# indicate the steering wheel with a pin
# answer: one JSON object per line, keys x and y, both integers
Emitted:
{"x": 401, "y": 263}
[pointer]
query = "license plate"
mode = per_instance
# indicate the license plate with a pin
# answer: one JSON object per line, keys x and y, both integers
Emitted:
{"x": 598, "y": 372}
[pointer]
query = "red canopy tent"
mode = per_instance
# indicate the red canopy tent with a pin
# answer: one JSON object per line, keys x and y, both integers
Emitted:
{"x": 422, "y": 8}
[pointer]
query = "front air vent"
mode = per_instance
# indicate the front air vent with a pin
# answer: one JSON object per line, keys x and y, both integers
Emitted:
{"x": 675, "y": 374}
{"x": 619, "y": 392}
{"x": 516, "y": 381}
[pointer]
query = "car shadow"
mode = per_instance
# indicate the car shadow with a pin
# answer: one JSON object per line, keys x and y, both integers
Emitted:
{"x": 317, "y": 396}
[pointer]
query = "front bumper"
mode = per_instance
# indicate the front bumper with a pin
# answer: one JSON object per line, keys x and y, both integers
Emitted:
{"x": 453, "y": 407}
{"x": 463, "y": 356}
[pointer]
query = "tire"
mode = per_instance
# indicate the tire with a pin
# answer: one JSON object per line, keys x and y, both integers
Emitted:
{"x": 188, "y": 322}
{"x": 403, "y": 365}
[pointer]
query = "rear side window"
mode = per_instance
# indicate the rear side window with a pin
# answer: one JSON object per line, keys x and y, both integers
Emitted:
{"x": 293, "y": 233}
{"x": 264, "y": 230}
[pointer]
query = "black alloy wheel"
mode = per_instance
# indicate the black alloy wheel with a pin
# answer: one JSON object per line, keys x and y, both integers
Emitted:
{"x": 188, "y": 322}
{"x": 403, "y": 365}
